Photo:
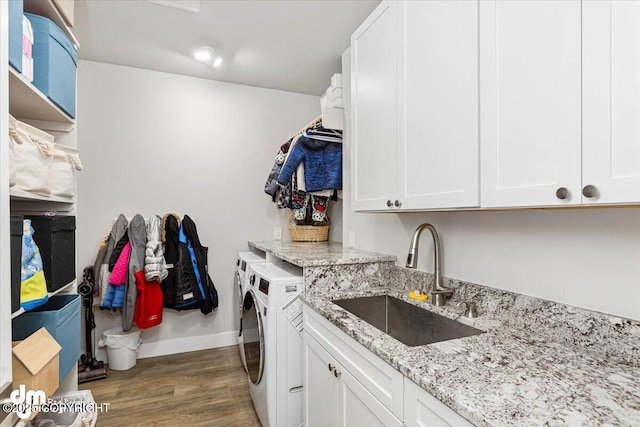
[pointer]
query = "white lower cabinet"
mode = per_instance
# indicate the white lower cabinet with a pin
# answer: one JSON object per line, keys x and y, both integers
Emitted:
{"x": 334, "y": 397}
{"x": 346, "y": 385}
{"x": 422, "y": 409}
{"x": 320, "y": 386}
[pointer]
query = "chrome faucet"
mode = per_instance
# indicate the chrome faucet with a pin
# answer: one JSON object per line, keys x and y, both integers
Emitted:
{"x": 440, "y": 294}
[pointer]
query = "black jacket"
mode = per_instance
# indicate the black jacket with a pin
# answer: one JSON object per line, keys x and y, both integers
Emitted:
{"x": 118, "y": 250}
{"x": 194, "y": 287}
{"x": 171, "y": 228}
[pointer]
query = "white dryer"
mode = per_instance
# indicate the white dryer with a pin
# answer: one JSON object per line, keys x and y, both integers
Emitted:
{"x": 274, "y": 356}
{"x": 244, "y": 260}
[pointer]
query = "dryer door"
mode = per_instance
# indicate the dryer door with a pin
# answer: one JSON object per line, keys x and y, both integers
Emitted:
{"x": 238, "y": 286}
{"x": 253, "y": 337}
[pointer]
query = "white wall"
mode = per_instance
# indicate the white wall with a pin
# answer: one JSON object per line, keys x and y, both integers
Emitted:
{"x": 588, "y": 257}
{"x": 153, "y": 143}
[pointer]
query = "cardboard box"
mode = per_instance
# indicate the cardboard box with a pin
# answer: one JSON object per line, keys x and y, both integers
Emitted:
{"x": 36, "y": 362}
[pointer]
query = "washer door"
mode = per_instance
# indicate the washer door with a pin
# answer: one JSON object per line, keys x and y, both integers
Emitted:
{"x": 253, "y": 337}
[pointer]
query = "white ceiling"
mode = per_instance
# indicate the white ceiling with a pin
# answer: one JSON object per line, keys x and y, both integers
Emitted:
{"x": 287, "y": 45}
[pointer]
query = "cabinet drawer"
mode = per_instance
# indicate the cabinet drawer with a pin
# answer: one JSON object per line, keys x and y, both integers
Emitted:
{"x": 383, "y": 381}
{"x": 422, "y": 409}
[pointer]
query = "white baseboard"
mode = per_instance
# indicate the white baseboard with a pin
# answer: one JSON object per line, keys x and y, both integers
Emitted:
{"x": 186, "y": 344}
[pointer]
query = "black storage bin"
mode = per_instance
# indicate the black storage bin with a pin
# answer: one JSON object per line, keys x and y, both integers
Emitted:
{"x": 56, "y": 239}
{"x": 16, "y": 258}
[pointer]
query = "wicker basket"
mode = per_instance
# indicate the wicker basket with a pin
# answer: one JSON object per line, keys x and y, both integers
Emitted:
{"x": 308, "y": 233}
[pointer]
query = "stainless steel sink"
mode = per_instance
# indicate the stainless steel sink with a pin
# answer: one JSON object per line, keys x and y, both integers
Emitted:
{"x": 405, "y": 322}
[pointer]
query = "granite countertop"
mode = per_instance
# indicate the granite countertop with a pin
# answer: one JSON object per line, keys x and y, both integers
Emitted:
{"x": 315, "y": 254}
{"x": 505, "y": 376}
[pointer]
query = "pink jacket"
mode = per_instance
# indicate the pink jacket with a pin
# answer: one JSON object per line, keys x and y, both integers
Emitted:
{"x": 119, "y": 273}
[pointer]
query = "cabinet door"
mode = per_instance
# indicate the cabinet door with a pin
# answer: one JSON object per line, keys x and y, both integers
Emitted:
{"x": 611, "y": 104}
{"x": 438, "y": 104}
{"x": 358, "y": 407}
{"x": 422, "y": 409}
{"x": 321, "y": 387}
{"x": 530, "y": 102}
{"x": 373, "y": 109}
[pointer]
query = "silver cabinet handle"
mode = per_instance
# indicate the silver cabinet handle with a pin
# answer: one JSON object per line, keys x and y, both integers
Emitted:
{"x": 589, "y": 191}
{"x": 336, "y": 373}
{"x": 389, "y": 203}
{"x": 398, "y": 203}
{"x": 563, "y": 193}
{"x": 331, "y": 367}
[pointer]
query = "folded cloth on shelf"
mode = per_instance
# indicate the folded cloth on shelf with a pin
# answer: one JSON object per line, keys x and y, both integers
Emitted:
{"x": 33, "y": 287}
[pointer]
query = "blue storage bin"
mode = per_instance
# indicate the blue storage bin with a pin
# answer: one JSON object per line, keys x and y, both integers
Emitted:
{"x": 54, "y": 63}
{"x": 15, "y": 34}
{"x": 61, "y": 316}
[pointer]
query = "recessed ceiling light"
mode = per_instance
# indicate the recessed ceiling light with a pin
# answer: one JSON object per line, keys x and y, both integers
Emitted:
{"x": 204, "y": 54}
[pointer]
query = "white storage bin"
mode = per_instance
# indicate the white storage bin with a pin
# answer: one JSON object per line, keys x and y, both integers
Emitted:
{"x": 14, "y": 138}
{"x": 64, "y": 168}
{"x": 332, "y": 118}
{"x": 32, "y": 157}
{"x": 74, "y": 409}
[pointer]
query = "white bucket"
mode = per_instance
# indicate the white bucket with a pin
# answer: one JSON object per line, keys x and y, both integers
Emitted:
{"x": 122, "y": 347}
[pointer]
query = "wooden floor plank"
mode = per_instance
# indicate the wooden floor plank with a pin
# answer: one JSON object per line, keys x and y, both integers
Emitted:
{"x": 201, "y": 388}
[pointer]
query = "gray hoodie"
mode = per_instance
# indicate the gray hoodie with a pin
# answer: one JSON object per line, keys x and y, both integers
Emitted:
{"x": 118, "y": 230}
{"x": 138, "y": 241}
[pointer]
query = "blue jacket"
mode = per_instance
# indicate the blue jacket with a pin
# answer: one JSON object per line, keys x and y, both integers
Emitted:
{"x": 322, "y": 164}
{"x": 114, "y": 298}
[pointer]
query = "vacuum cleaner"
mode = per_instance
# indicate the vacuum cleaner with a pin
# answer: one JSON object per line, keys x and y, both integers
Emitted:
{"x": 89, "y": 368}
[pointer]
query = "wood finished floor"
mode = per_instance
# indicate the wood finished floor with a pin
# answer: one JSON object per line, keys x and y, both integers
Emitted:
{"x": 201, "y": 388}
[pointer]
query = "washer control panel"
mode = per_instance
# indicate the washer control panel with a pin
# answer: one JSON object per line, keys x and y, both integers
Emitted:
{"x": 264, "y": 286}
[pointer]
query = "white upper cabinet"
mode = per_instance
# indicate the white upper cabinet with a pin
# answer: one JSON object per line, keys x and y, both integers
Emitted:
{"x": 530, "y": 102}
{"x": 496, "y": 104}
{"x": 414, "y": 106}
{"x": 611, "y": 93}
{"x": 373, "y": 109}
{"x": 438, "y": 104}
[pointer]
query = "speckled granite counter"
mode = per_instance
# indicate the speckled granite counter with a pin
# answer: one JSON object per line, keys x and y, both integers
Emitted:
{"x": 314, "y": 254}
{"x": 509, "y": 375}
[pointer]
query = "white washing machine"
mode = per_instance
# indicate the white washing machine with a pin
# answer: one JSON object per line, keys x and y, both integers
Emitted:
{"x": 244, "y": 260}
{"x": 274, "y": 355}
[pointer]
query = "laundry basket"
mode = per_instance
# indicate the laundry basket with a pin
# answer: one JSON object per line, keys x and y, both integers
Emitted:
{"x": 70, "y": 409}
{"x": 122, "y": 347}
{"x": 307, "y": 233}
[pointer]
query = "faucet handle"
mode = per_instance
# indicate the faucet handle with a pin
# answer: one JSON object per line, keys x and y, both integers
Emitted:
{"x": 470, "y": 309}
{"x": 440, "y": 296}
